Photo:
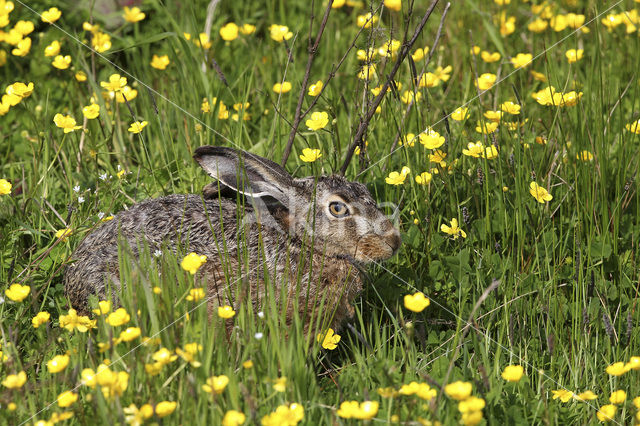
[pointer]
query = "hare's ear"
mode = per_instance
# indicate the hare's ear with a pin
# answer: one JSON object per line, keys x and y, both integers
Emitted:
{"x": 246, "y": 173}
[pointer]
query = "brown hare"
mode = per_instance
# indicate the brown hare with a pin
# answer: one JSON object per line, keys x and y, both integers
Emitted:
{"x": 263, "y": 232}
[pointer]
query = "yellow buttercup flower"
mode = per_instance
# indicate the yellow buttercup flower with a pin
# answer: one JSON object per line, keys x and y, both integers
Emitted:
{"x": 15, "y": 381}
{"x": 409, "y": 96}
{"x": 280, "y": 33}
{"x": 585, "y": 396}
{"x": 510, "y": 108}
{"x": 195, "y": 294}
{"x": 280, "y": 384}
{"x": 537, "y": 25}
{"x": 318, "y": 120}
{"x": 229, "y": 32}
{"x": 52, "y": 15}
{"x": 247, "y": 29}
{"x": 486, "y": 128}
{"x": 165, "y": 408}
{"x": 458, "y": 390}
{"x": 396, "y": 178}
{"x": 73, "y": 321}
{"x": 104, "y": 307}
{"x": 490, "y": 57}
{"x": 474, "y": 149}
{"x": 58, "y": 363}
{"x": 512, "y": 373}
{"x": 367, "y": 72}
{"x": 283, "y": 87}
{"x": 65, "y": 399}
{"x": 422, "y": 390}
{"x": 316, "y": 88}
{"x": 424, "y": 178}
{"x": 416, "y": 302}
{"x": 366, "y": 21}
{"x": 453, "y": 230}
{"x": 574, "y": 55}
{"x": 40, "y": 318}
{"x": 20, "y": 89}
{"x": 226, "y": 312}
{"x": 118, "y": 317}
{"x": 160, "y": 62}
{"x": 494, "y": 116}
{"x": 471, "y": 404}
{"x": 420, "y": 53}
{"x": 309, "y": 155}
{"x": 233, "y": 417}
{"x": 189, "y": 354}
{"x": 131, "y": 333}
{"x": 24, "y": 27}
{"x": 634, "y": 363}
{"x": 290, "y": 415}
{"x": 459, "y": 114}
{"x": 163, "y": 356}
{"x": 216, "y": 384}
{"x": 606, "y": 412}
{"x": 539, "y": 193}
{"x": 353, "y": 410}
{"x": 81, "y": 76}
{"x": 91, "y": 111}
{"x": 137, "y": 126}
{"x": 393, "y": 5}
{"x": 431, "y": 139}
{"x": 17, "y": 292}
{"x": 192, "y": 262}
{"x": 126, "y": 93}
{"x": 115, "y": 83}
{"x": 66, "y": 123}
{"x": 53, "y": 49}
{"x": 61, "y": 62}
{"x": 133, "y": 14}
{"x": 521, "y": 60}
{"x": 101, "y": 42}
{"x": 329, "y": 340}
{"x": 562, "y": 394}
{"x": 137, "y": 416}
{"x": 22, "y": 48}
{"x": 486, "y": 81}
{"x": 618, "y": 397}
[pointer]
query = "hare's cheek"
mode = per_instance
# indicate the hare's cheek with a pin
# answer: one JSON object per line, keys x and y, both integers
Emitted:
{"x": 372, "y": 247}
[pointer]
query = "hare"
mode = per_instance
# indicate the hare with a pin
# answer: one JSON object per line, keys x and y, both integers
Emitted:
{"x": 263, "y": 232}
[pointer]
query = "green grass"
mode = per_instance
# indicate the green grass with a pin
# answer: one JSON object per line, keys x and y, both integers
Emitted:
{"x": 566, "y": 304}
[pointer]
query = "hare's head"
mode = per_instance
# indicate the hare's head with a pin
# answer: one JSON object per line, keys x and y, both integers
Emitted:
{"x": 340, "y": 217}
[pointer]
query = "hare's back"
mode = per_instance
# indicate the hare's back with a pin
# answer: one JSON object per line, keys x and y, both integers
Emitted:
{"x": 175, "y": 222}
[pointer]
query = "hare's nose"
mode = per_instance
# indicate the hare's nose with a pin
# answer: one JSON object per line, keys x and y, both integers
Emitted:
{"x": 394, "y": 240}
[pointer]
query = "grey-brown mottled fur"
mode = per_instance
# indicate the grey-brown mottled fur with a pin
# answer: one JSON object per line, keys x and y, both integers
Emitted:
{"x": 294, "y": 241}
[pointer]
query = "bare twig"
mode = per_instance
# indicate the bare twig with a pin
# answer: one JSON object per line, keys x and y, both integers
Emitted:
{"x": 423, "y": 70}
{"x": 312, "y": 50}
{"x": 364, "y": 121}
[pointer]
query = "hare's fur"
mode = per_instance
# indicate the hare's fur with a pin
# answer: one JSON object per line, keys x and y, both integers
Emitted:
{"x": 262, "y": 231}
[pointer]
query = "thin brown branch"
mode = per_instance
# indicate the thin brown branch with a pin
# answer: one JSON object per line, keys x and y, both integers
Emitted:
{"x": 313, "y": 50}
{"x": 423, "y": 70}
{"x": 364, "y": 121}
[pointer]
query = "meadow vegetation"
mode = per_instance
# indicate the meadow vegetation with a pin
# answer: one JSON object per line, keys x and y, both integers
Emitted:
{"x": 507, "y": 145}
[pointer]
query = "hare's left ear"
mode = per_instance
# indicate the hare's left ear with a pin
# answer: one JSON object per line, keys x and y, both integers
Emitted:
{"x": 246, "y": 174}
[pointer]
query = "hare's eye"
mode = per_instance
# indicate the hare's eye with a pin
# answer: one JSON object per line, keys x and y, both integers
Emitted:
{"x": 338, "y": 209}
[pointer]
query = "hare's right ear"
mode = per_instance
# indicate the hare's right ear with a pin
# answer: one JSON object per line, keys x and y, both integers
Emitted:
{"x": 245, "y": 173}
